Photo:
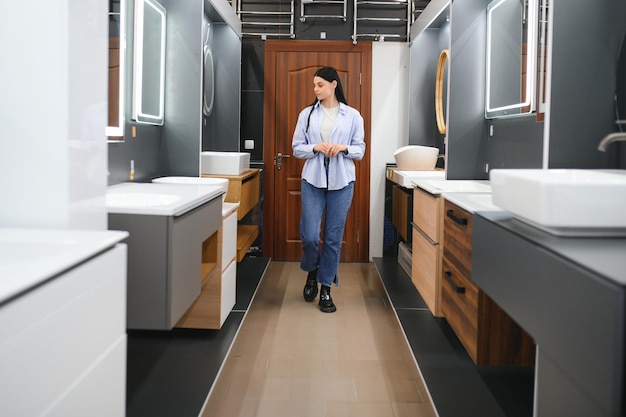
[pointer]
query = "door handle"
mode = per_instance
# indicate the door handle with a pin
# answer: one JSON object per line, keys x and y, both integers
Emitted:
{"x": 278, "y": 160}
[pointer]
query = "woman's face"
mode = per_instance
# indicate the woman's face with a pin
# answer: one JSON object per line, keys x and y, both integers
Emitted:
{"x": 323, "y": 89}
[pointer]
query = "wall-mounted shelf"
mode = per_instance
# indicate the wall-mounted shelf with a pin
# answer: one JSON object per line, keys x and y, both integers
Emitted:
{"x": 266, "y": 18}
{"x": 378, "y": 14}
{"x": 312, "y": 6}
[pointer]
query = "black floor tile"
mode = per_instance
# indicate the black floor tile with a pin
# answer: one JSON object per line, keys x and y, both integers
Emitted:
{"x": 170, "y": 373}
{"x": 456, "y": 385}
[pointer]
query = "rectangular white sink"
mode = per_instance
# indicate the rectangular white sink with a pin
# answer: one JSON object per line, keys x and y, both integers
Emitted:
{"x": 564, "y": 201}
{"x": 453, "y": 186}
{"x": 224, "y": 163}
{"x": 158, "y": 199}
{"x": 406, "y": 178}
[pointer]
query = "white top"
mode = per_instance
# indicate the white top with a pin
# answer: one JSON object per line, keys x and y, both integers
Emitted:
{"x": 330, "y": 115}
{"x": 158, "y": 199}
{"x": 30, "y": 256}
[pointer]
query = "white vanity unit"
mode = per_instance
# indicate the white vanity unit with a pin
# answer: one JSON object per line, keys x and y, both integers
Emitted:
{"x": 63, "y": 323}
{"x": 170, "y": 226}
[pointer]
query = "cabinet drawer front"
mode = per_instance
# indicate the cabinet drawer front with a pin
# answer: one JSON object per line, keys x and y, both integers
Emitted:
{"x": 229, "y": 239}
{"x": 427, "y": 213}
{"x": 400, "y": 213}
{"x": 459, "y": 302}
{"x": 425, "y": 271}
{"x": 457, "y": 238}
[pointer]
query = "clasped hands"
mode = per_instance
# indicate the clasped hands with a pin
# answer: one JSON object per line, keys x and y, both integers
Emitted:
{"x": 330, "y": 149}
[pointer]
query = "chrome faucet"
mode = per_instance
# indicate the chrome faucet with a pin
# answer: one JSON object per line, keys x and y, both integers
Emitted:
{"x": 611, "y": 137}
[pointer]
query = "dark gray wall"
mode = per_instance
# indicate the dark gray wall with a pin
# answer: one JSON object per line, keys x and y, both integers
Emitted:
{"x": 584, "y": 61}
{"x": 466, "y": 151}
{"x": 425, "y": 50}
{"x": 220, "y": 130}
{"x": 183, "y": 88}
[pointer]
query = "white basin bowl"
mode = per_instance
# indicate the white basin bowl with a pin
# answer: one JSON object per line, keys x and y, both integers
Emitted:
{"x": 158, "y": 199}
{"x": 224, "y": 163}
{"x": 406, "y": 178}
{"x": 453, "y": 186}
{"x": 222, "y": 183}
{"x": 416, "y": 158}
{"x": 140, "y": 200}
{"x": 563, "y": 198}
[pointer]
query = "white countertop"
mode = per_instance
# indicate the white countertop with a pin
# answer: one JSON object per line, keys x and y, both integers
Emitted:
{"x": 472, "y": 202}
{"x": 406, "y": 178}
{"x": 157, "y": 198}
{"x": 436, "y": 187}
{"x": 31, "y": 256}
{"x": 228, "y": 208}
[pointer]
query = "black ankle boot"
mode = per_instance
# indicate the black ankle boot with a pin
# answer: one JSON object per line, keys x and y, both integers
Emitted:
{"x": 326, "y": 301}
{"x": 310, "y": 288}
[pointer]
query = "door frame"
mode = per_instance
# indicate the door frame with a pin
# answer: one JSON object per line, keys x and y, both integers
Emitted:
{"x": 272, "y": 47}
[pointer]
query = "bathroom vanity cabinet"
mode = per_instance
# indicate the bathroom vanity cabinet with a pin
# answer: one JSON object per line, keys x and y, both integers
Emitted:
{"x": 244, "y": 189}
{"x": 569, "y": 294}
{"x": 63, "y": 345}
{"x": 426, "y": 253}
{"x": 488, "y": 334}
{"x": 219, "y": 285}
{"x": 165, "y": 262}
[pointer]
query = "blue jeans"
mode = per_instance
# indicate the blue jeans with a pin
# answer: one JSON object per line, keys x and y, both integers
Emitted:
{"x": 314, "y": 201}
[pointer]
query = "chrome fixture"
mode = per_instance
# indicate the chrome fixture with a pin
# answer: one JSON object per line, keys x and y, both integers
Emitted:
{"x": 610, "y": 138}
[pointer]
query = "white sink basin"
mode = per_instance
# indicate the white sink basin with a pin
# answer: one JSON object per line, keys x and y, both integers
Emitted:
{"x": 416, "y": 158}
{"x": 158, "y": 199}
{"x": 566, "y": 201}
{"x": 453, "y": 186}
{"x": 224, "y": 163}
{"x": 222, "y": 183}
{"x": 472, "y": 202}
{"x": 406, "y": 178}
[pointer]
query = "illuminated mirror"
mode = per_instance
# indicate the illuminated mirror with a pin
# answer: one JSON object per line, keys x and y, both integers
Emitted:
{"x": 511, "y": 57}
{"x": 117, "y": 51}
{"x": 149, "y": 62}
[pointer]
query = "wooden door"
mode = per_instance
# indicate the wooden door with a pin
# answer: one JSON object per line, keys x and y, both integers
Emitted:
{"x": 289, "y": 69}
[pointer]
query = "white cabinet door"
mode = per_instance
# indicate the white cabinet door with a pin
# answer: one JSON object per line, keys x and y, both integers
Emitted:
{"x": 55, "y": 334}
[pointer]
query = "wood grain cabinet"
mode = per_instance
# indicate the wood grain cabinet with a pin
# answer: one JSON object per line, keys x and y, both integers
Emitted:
{"x": 219, "y": 282}
{"x": 426, "y": 248}
{"x": 244, "y": 189}
{"x": 488, "y": 334}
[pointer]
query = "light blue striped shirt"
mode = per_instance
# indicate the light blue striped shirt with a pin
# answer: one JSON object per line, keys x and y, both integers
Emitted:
{"x": 348, "y": 130}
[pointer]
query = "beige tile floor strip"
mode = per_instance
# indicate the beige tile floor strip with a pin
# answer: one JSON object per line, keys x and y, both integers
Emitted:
{"x": 289, "y": 359}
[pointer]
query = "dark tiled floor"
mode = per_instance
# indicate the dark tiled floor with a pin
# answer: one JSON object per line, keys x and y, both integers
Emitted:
{"x": 171, "y": 373}
{"x": 457, "y": 386}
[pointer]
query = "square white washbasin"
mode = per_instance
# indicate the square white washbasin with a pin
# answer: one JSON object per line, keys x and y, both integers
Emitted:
{"x": 224, "y": 163}
{"x": 565, "y": 200}
{"x": 221, "y": 183}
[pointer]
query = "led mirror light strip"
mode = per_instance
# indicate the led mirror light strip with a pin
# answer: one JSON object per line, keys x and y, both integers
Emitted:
{"x": 138, "y": 112}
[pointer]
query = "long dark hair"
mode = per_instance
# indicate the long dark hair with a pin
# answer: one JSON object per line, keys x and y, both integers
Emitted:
{"x": 329, "y": 74}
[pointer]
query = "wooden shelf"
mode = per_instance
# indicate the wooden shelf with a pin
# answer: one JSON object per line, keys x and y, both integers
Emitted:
{"x": 246, "y": 234}
{"x": 207, "y": 270}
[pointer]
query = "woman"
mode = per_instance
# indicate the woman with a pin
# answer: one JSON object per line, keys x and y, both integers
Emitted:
{"x": 329, "y": 135}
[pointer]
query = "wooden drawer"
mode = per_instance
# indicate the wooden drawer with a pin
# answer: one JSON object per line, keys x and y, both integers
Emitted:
{"x": 427, "y": 213}
{"x": 460, "y": 306}
{"x": 400, "y": 216}
{"x": 244, "y": 189}
{"x": 457, "y": 238}
{"x": 426, "y": 270}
